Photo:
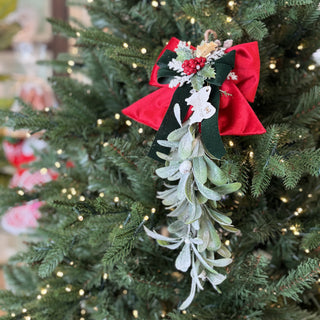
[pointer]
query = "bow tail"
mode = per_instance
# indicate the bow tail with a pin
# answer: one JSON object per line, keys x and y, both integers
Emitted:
{"x": 210, "y": 135}
{"x": 236, "y": 116}
{"x": 170, "y": 122}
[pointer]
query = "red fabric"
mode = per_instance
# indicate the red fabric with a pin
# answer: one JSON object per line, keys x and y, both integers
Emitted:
{"x": 151, "y": 109}
{"x": 247, "y": 68}
{"x": 235, "y": 114}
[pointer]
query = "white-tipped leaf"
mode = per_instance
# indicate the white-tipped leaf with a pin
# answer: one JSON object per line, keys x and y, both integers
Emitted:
{"x": 166, "y": 172}
{"x": 216, "y": 279}
{"x": 170, "y": 246}
{"x": 163, "y": 156}
{"x": 224, "y": 252}
{"x": 178, "y": 227}
{"x": 177, "y": 134}
{"x": 220, "y": 262}
{"x": 194, "y": 214}
{"x": 180, "y": 209}
{"x": 186, "y": 303}
{"x": 158, "y": 236}
{"x": 220, "y": 218}
{"x": 177, "y": 113}
{"x": 205, "y": 236}
{"x": 182, "y": 186}
{"x": 228, "y": 188}
{"x": 183, "y": 261}
{"x": 201, "y": 259}
{"x": 189, "y": 190}
{"x": 208, "y": 193}
{"x": 215, "y": 174}
{"x": 185, "y": 146}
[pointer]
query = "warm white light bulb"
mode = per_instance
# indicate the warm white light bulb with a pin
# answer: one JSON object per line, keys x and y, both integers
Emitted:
{"x": 155, "y": 4}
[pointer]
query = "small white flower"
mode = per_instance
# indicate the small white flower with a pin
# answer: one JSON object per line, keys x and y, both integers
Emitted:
{"x": 232, "y": 76}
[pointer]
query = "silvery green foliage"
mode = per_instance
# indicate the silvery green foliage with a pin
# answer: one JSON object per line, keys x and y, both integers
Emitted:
{"x": 196, "y": 184}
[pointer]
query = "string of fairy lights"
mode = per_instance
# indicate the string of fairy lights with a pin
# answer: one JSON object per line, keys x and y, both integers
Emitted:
{"x": 72, "y": 192}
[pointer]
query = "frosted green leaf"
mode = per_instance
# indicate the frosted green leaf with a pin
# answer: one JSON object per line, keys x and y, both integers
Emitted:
{"x": 229, "y": 228}
{"x": 210, "y": 194}
{"x": 207, "y": 72}
{"x": 215, "y": 174}
{"x": 163, "y": 156}
{"x": 188, "y": 301}
{"x": 205, "y": 237}
{"x": 170, "y": 199}
{"x": 169, "y": 246}
{"x": 197, "y": 81}
{"x": 177, "y": 227}
{"x": 199, "y": 168}
{"x": 201, "y": 198}
{"x": 165, "y": 172}
{"x": 220, "y": 218}
{"x": 175, "y": 177}
{"x": 166, "y": 193}
{"x": 198, "y": 149}
{"x": 183, "y": 261}
{"x": 189, "y": 189}
{"x": 215, "y": 242}
{"x": 216, "y": 279}
{"x": 185, "y": 146}
{"x": 220, "y": 262}
{"x": 201, "y": 259}
{"x": 228, "y": 188}
{"x": 224, "y": 252}
{"x": 184, "y": 53}
{"x": 180, "y": 209}
{"x": 182, "y": 186}
{"x": 168, "y": 144}
{"x": 158, "y": 236}
{"x": 177, "y": 134}
{"x": 195, "y": 213}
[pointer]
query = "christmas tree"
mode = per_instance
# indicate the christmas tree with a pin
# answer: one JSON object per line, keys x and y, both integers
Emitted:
{"x": 242, "y": 238}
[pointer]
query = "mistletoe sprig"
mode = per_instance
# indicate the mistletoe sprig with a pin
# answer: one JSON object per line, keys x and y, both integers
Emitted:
{"x": 200, "y": 184}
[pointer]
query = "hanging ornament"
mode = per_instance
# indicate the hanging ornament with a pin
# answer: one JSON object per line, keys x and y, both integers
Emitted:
{"x": 204, "y": 93}
{"x": 182, "y": 71}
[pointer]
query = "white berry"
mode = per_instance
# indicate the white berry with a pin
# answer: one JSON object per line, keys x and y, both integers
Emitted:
{"x": 185, "y": 166}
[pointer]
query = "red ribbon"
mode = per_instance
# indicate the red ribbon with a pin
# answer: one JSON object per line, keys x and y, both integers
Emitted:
{"x": 235, "y": 114}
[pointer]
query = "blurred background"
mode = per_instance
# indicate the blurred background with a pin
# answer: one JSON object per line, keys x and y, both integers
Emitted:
{"x": 25, "y": 38}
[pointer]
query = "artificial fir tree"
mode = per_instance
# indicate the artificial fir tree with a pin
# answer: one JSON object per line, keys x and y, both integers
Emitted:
{"x": 91, "y": 257}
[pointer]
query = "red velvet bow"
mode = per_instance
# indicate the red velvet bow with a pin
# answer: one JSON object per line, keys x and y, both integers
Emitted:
{"x": 235, "y": 114}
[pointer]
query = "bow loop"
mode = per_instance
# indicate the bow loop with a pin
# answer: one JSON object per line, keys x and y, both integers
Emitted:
{"x": 236, "y": 73}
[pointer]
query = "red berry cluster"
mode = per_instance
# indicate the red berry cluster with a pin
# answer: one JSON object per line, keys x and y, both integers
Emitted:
{"x": 193, "y": 65}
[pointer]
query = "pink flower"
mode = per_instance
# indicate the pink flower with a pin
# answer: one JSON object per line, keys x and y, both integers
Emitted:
{"x": 27, "y": 180}
{"x": 23, "y": 218}
{"x": 38, "y": 94}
